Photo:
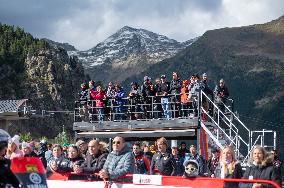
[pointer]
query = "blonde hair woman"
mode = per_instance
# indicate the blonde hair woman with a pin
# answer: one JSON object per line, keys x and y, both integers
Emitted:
{"x": 261, "y": 167}
{"x": 228, "y": 167}
{"x": 13, "y": 148}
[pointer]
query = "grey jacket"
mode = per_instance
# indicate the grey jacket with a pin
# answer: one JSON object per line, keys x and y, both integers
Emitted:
{"x": 119, "y": 163}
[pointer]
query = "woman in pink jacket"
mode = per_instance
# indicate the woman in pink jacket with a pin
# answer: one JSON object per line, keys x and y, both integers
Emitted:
{"x": 99, "y": 96}
{"x": 13, "y": 148}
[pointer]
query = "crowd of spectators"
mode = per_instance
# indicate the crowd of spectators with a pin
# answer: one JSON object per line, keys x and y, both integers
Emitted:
{"x": 93, "y": 157}
{"x": 161, "y": 98}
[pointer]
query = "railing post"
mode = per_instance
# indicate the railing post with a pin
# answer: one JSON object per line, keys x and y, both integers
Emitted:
{"x": 250, "y": 141}
{"x": 274, "y": 140}
{"x": 262, "y": 140}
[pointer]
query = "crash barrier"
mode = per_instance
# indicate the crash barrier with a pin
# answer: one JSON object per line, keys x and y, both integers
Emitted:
{"x": 148, "y": 181}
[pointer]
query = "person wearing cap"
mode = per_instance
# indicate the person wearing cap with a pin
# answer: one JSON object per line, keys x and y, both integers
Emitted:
{"x": 7, "y": 178}
{"x": 27, "y": 150}
{"x": 84, "y": 93}
{"x": 191, "y": 168}
{"x": 206, "y": 89}
{"x": 164, "y": 91}
{"x": 184, "y": 98}
{"x": 221, "y": 94}
{"x": 193, "y": 155}
{"x": 147, "y": 92}
{"x": 41, "y": 152}
{"x": 175, "y": 89}
{"x": 157, "y": 99}
{"x": 83, "y": 97}
{"x": 92, "y": 88}
{"x": 135, "y": 99}
{"x": 163, "y": 162}
{"x": 13, "y": 148}
{"x": 119, "y": 102}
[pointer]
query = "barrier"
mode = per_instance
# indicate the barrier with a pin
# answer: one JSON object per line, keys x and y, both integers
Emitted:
{"x": 154, "y": 181}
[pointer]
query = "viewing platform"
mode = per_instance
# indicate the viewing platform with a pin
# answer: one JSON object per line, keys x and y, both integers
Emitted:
{"x": 134, "y": 121}
{"x": 178, "y": 128}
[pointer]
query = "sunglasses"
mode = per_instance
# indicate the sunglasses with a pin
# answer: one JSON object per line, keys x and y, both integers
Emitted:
{"x": 192, "y": 169}
{"x": 116, "y": 142}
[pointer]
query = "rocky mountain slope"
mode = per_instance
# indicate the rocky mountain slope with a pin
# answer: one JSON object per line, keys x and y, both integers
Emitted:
{"x": 127, "y": 52}
{"x": 32, "y": 69}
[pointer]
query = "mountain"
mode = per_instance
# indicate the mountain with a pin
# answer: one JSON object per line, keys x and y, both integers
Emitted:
{"x": 32, "y": 69}
{"x": 128, "y": 52}
{"x": 250, "y": 59}
{"x": 65, "y": 46}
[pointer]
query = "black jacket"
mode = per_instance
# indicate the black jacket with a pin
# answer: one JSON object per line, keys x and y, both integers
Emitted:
{"x": 237, "y": 174}
{"x": 6, "y": 175}
{"x": 94, "y": 164}
{"x": 164, "y": 164}
{"x": 265, "y": 172}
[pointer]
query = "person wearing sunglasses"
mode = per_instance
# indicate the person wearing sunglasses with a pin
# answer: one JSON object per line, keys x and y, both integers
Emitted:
{"x": 119, "y": 162}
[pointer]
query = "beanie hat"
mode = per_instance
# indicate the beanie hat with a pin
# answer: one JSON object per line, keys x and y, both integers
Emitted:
{"x": 16, "y": 140}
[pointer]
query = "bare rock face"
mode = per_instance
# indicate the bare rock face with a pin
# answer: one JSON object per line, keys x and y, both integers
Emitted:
{"x": 53, "y": 78}
{"x": 51, "y": 82}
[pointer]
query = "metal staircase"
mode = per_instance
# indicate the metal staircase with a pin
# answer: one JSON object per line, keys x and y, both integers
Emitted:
{"x": 225, "y": 128}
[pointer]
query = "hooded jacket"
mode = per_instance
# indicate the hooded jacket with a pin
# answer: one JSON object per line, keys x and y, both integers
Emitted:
{"x": 119, "y": 163}
{"x": 265, "y": 171}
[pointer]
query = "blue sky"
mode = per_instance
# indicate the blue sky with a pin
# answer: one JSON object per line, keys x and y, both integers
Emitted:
{"x": 84, "y": 23}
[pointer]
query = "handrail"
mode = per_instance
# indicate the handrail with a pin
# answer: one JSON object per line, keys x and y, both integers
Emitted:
{"x": 232, "y": 127}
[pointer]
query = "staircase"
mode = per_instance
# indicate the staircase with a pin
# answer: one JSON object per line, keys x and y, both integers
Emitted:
{"x": 225, "y": 128}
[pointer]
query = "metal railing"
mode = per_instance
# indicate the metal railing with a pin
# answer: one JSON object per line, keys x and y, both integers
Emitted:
{"x": 232, "y": 129}
{"x": 228, "y": 126}
{"x": 127, "y": 108}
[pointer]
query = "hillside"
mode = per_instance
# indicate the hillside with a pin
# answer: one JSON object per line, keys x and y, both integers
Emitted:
{"x": 250, "y": 59}
{"x": 30, "y": 68}
{"x": 127, "y": 52}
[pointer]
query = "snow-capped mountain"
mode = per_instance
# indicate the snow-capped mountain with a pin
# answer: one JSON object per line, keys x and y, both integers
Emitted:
{"x": 133, "y": 42}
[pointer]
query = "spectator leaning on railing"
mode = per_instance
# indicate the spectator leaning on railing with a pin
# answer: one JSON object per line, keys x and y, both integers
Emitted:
{"x": 119, "y": 162}
{"x": 261, "y": 168}
{"x": 95, "y": 159}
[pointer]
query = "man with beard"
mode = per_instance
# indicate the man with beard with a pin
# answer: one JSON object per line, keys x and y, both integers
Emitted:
{"x": 142, "y": 164}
